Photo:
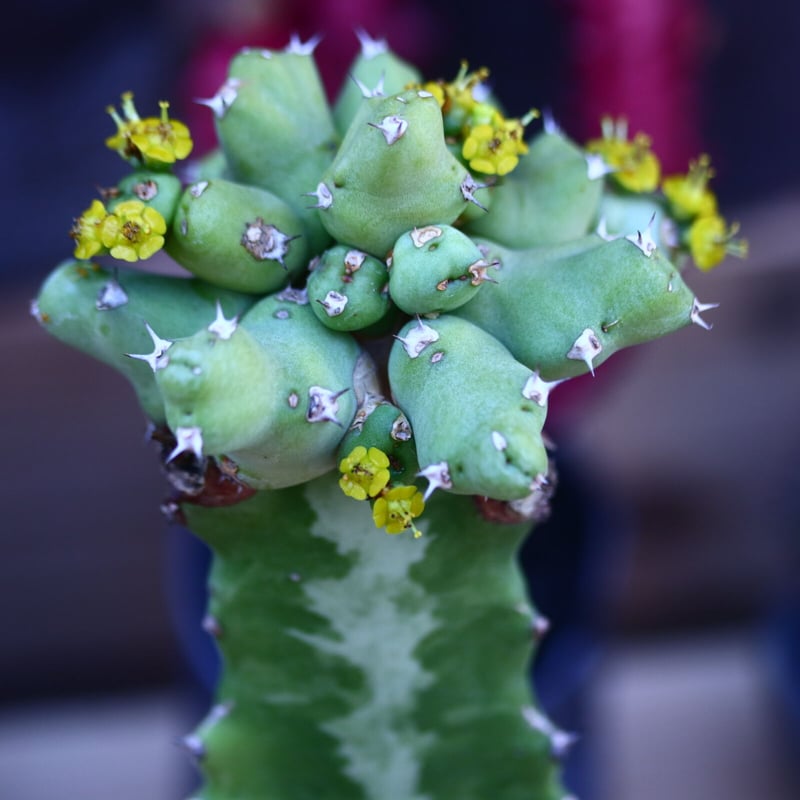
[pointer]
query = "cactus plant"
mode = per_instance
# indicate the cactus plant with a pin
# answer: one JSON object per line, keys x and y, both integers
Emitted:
{"x": 380, "y": 295}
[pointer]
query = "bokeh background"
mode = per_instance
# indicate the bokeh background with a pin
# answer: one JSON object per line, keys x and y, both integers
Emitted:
{"x": 669, "y": 568}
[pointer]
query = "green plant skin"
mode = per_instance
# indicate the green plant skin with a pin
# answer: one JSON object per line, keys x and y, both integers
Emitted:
{"x": 209, "y": 166}
{"x": 251, "y": 394}
{"x": 381, "y": 190}
{"x": 432, "y": 274}
{"x": 278, "y": 133}
{"x": 212, "y": 234}
{"x": 460, "y": 393}
{"x": 359, "y": 278}
{"x": 174, "y": 307}
{"x": 365, "y": 666}
{"x": 373, "y": 69}
{"x": 165, "y": 188}
{"x": 546, "y": 297}
{"x": 548, "y": 198}
{"x": 624, "y": 213}
{"x": 382, "y": 424}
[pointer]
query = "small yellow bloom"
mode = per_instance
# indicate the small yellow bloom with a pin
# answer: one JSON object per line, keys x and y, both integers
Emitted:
{"x": 689, "y": 195}
{"x": 133, "y": 231}
{"x": 490, "y": 143}
{"x": 155, "y": 141}
{"x": 365, "y": 473}
{"x": 87, "y": 231}
{"x": 710, "y": 240}
{"x": 635, "y": 166}
{"x": 494, "y": 148}
{"x": 396, "y": 509}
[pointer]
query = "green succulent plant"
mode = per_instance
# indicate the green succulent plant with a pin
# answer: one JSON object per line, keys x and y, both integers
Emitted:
{"x": 381, "y": 293}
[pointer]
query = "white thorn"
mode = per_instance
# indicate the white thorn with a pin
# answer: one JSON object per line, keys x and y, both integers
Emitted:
{"x": 560, "y": 741}
{"x": 353, "y": 261}
{"x": 300, "y": 48}
{"x": 323, "y": 404}
{"x": 266, "y": 242}
{"x": 418, "y": 339}
{"x": 263, "y": 52}
{"x": 334, "y": 303}
{"x": 223, "y": 99}
{"x": 110, "y": 296}
{"x": 223, "y": 328}
{"x": 189, "y": 440}
{"x": 158, "y": 359}
{"x": 370, "y": 47}
{"x": 538, "y": 390}
{"x": 366, "y": 92}
{"x": 218, "y": 712}
{"x": 645, "y": 241}
{"x": 438, "y": 477}
{"x": 602, "y": 231}
{"x": 401, "y": 429}
{"x": 292, "y": 295}
{"x": 468, "y": 188}
{"x": 323, "y": 195}
{"x": 499, "y": 441}
{"x": 211, "y": 626}
{"x": 697, "y": 309}
{"x": 597, "y": 167}
{"x": 392, "y": 128}
{"x": 193, "y": 745}
{"x": 586, "y": 348}
{"x": 36, "y": 312}
{"x": 549, "y": 123}
{"x": 541, "y": 625}
{"x": 197, "y": 189}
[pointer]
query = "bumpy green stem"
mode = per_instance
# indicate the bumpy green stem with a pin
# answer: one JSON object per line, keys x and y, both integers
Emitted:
{"x": 362, "y": 666}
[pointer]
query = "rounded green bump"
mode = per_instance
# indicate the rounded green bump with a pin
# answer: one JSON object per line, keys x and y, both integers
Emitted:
{"x": 393, "y": 172}
{"x": 563, "y": 310}
{"x": 463, "y": 396}
{"x": 436, "y": 268}
{"x": 347, "y": 289}
{"x": 240, "y": 237}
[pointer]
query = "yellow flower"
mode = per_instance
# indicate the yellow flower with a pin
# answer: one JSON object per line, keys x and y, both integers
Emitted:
{"x": 635, "y": 166}
{"x": 689, "y": 195}
{"x": 365, "y": 473}
{"x": 494, "y": 148}
{"x": 490, "y": 143}
{"x": 154, "y": 141}
{"x": 133, "y": 231}
{"x": 710, "y": 240}
{"x": 87, "y": 231}
{"x": 396, "y": 509}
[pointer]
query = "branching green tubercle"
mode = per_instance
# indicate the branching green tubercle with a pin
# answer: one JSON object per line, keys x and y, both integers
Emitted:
{"x": 380, "y": 295}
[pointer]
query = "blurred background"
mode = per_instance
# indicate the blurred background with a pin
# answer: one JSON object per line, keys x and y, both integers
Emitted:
{"x": 669, "y": 568}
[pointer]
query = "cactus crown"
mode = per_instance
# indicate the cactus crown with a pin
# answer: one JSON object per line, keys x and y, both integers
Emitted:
{"x": 409, "y": 325}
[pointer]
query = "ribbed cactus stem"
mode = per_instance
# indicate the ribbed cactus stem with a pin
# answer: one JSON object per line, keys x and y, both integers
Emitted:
{"x": 362, "y": 666}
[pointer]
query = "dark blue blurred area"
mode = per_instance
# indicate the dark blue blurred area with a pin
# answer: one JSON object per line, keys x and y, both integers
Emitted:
{"x": 61, "y": 65}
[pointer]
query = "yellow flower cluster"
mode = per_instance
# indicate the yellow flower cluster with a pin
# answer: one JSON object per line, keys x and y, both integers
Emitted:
{"x": 365, "y": 474}
{"x": 689, "y": 195}
{"x": 396, "y": 509}
{"x": 490, "y": 143}
{"x": 690, "y": 201}
{"x": 130, "y": 232}
{"x": 155, "y": 142}
{"x": 634, "y": 166}
{"x": 710, "y": 239}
